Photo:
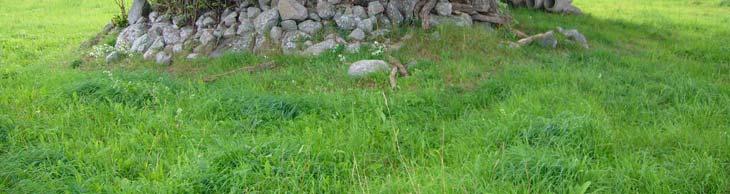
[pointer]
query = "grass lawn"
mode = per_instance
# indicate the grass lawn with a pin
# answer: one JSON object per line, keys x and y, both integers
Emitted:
{"x": 645, "y": 110}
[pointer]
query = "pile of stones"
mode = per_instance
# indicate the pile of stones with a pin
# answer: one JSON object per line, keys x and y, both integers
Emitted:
{"x": 307, "y": 27}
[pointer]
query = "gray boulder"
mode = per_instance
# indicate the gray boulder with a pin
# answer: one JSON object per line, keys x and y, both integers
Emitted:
{"x": 321, "y": 47}
{"x": 353, "y": 47}
{"x": 252, "y": 12}
{"x": 547, "y": 40}
{"x": 325, "y": 10}
{"x": 141, "y": 44}
{"x": 289, "y": 25}
{"x": 140, "y": 9}
{"x": 230, "y": 19}
{"x": 113, "y": 57}
{"x": 266, "y": 20}
{"x": 292, "y": 10}
{"x": 375, "y": 8}
{"x": 574, "y": 35}
{"x": 276, "y": 33}
{"x": 359, "y": 12}
{"x": 310, "y": 27}
{"x": 245, "y": 27}
{"x": 346, "y": 22}
{"x": 394, "y": 13}
{"x": 443, "y": 8}
{"x": 357, "y": 34}
{"x": 462, "y": 20}
{"x": 163, "y": 58}
{"x": 367, "y": 67}
{"x": 366, "y": 25}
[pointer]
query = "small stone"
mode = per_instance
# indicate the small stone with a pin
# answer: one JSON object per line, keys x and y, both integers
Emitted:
{"x": 276, "y": 33}
{"x": 366, "y": 25}
{"x": 192, "y": 56}
{"x": 113, "y": 57}
{"x": 252, "y": 12}
{"x": 163, "y": 58}
{"x": 353, "y": 47}
{"x": 245, "y": 27}
{"x": 230, "y": 19}
{"x": 310, "y": 27}
{"x": 150, "y": 54}
{"x": 367, "y": 67}
{"x": 207, "y": 37}
{"x": 208, "y": 22}
{"x": 443, "y": 8}
{"x": 314, "y": 16}
{"x": 157, "y": 45}
{"x": 357, "y": 34}
{"x": 180, "y": 20}
{"x": 292, "y": 10}
{"x": 375, "y": 8}
{"x": 230, "y": 32}
{"x": 177, "y": 48}
{"x": 289, "y": 25}
{"x": 359, "y": 12}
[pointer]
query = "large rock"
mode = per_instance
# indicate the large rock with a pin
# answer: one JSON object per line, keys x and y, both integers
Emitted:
{"x": 394, "y": 13}
{"x": 359, "y": 12}
{"x": 289, "y": 25}
{"x": 230, "y": 19}
{"x": 163, "y": 58}
{"x": 366, "y": 25}
{"x": 375, "y": 8}
{"x": 325, "y": 10}
{"x": 462, "y": 20}
{"x": 321, "y": 47}
{"x": 346, "y": 22}
{"x": 574, "y": 35}
{"x": 310, "y": 27}
{"x": 140, "y": 9}
{"x": 292, "y": 10}
{"x": 289, "y": 43}
{"x": 266, "y": 20}
{"x": 245, "y": 27}
{"x": 444, "y": 8}
{"x": 357, "y": 34}
{"x": 367, "y": 67}
{"x": 129, "y": 35}
{"x": 141, "y": 44}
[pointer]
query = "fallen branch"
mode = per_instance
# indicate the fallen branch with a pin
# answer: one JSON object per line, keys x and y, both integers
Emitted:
{"x": 249, "y": 69}
{"x": 518, "y": 33}
{"x": 393, "y": 76}
{"x": 528, "y": 40}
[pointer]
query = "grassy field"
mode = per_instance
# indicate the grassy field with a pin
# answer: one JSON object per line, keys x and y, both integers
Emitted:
{"x": 645, "y": 110}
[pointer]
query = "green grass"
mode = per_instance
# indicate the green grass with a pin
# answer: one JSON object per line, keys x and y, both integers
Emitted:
{"x": 645, "y": 110}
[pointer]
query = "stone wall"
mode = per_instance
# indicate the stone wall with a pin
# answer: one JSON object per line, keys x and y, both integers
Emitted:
{"x": 291, "y": 26}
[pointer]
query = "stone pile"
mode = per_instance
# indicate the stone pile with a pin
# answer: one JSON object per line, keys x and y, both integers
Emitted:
{"x": 556, "y": 6}
{"x": 292, "y": 26}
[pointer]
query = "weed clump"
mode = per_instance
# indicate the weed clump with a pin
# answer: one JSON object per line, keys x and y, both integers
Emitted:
{"x": 136, "y": 92}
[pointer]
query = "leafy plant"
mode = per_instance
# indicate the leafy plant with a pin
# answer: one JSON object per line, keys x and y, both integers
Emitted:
{"x": 121, "y": 19}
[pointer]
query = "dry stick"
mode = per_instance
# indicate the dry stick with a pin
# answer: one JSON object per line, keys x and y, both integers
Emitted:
{"x": 528, "y": 40}
{"x": 393, "y": 75}
{"x": 518, "y": 33}
{"x": 249, "y": 69}
{"x": 426, "y": 13}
